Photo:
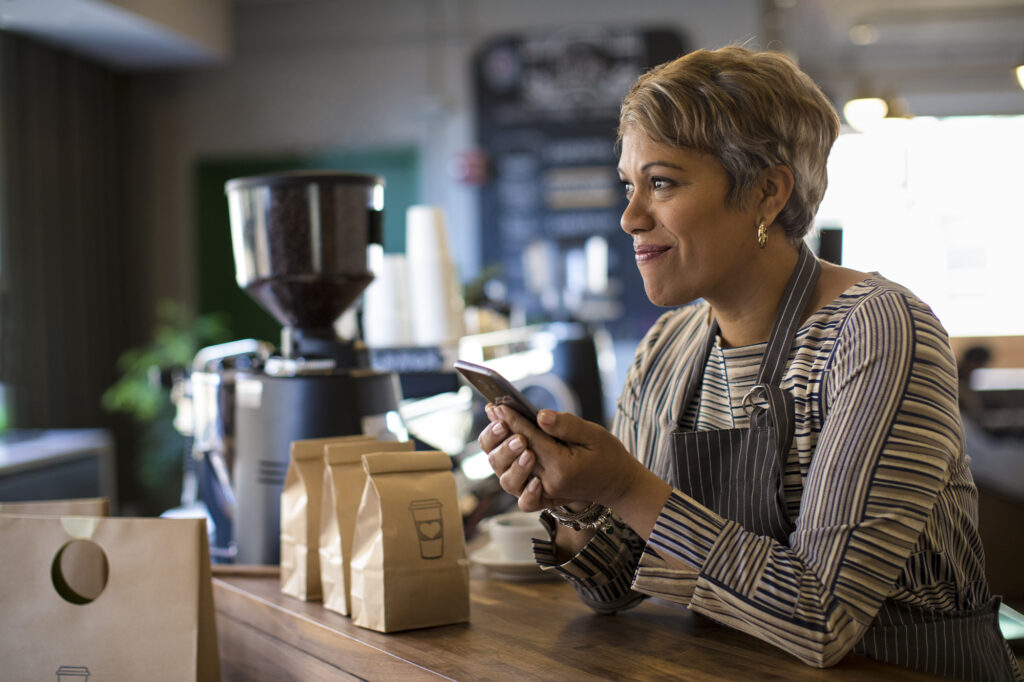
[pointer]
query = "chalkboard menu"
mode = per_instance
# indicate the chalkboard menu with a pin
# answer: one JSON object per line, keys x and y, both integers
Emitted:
{"x": 547, "y": 110}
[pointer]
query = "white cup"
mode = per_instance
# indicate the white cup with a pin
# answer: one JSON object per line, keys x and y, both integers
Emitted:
{"x": 435, "y": 294}
{"x": 512, "y": 533}
{"x": 386, "y": 305}
{"x": 426, "y": 233}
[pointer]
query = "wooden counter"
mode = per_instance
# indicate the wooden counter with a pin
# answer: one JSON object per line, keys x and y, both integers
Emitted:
{"x": 518, "y": 631}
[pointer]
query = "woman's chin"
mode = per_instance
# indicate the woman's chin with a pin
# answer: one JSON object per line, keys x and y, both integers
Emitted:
{"x": 661, "y": 298}
{"x": 668, "y": 298}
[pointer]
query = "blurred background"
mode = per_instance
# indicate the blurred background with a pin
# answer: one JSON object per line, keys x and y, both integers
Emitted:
{"x": 121, "y": 120}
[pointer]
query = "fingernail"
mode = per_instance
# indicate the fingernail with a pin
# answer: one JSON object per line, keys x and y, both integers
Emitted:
{"x": 534, "y": 485}
{"x": 498, "y": 429}
{"x": 489, "y": 411}
{"x": 516, "y": 444}
{"x": 524, "y": 459}
{"x": 546, "y": 418}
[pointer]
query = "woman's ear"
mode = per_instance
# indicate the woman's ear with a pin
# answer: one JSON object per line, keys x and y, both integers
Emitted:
{"x": 776, "y": 187}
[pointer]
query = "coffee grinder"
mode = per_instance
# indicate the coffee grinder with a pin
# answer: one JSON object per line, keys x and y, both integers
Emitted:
{"x": 301, "y": 244}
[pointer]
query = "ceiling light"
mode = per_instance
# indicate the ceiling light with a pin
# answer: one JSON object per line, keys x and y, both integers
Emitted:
{"x": 864, "y": 112}
{"x": 863, "y": 34}
{"x": 1020, "y": 75}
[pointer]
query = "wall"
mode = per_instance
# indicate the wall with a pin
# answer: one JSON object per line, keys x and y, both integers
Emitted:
{"x": 320, "y": 75}
{"x": 67, "y": 299}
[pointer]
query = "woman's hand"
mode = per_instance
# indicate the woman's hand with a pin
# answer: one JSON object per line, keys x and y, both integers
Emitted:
{"x": 567, "y": 458}
{"x": 512, "y": 461}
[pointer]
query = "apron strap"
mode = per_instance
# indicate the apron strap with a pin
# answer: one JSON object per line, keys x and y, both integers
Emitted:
{"x": 695, "y": 375}
{"x": 794, "y": 302}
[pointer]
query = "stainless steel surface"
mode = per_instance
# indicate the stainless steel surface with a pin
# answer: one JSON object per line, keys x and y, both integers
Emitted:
{"x": 300, "y": 241}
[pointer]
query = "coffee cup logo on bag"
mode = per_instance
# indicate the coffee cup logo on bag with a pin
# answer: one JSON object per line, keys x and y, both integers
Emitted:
{"x": 73, "y": 673}
{"x": 426, "y": 514}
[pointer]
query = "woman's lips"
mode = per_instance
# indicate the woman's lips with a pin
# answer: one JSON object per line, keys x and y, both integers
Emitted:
{"x": 645, "y": 253}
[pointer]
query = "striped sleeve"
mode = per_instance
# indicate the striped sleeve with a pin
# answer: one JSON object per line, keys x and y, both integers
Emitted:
{"x": 602, "y": 573}
{"x": 883, "y": 454}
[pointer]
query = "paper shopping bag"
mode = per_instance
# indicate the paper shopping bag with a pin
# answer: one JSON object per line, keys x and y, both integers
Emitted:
{"x": 344, "y": 480}
{"x": 85, "y": 506}
{"x": 152, "y": 620}
{"x": 300, "y": 516}
{"x": 409, "y": 567}
{"x": 83, "y": 573}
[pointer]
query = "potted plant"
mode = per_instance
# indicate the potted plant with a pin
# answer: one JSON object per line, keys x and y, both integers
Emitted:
{"x": 149, "y": 373}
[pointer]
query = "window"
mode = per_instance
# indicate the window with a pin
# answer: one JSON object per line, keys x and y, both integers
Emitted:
{"x": 938, "y": 206}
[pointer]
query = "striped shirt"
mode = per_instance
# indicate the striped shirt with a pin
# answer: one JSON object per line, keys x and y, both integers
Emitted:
{"x": 876, "y": 479}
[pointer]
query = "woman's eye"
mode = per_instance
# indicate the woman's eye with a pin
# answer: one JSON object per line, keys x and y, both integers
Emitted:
{"x": 660, "y": 183}
{"x": 627, "y": 187}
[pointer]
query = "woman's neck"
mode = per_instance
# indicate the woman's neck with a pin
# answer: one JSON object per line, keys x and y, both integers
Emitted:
{"x": 747, "y": 308}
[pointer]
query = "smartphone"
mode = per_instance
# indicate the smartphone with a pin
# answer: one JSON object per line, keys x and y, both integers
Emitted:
{"x": 496, "y": 388}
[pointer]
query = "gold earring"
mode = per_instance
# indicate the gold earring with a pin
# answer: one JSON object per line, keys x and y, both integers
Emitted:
{"x": 762, "y": 234}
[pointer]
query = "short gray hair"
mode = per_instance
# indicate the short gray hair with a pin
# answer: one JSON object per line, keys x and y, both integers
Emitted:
{"x": 751, "y": 111}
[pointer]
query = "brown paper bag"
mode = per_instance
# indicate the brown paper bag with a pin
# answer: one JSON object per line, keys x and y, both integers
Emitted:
{"x": 344, "y": 481}
{"x": 153, "y": 620}
{"x": 409, "y": 567}
{"x": 300, "y": 516}
{"x": 84, "y": 573}
{"x": 85, "y": 506}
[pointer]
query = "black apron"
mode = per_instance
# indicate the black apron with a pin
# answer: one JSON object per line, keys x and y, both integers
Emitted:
{"x": 737, "y": 473}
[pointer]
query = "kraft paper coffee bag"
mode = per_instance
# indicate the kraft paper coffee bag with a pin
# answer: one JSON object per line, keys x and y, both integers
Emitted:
{"x": 151, "y": 619}
{"x": 300, "y": 516}
{"x": 82, "y": 573}
{"x": 81, "y": 506}
{"x": 344, "y": 480}
{"x": 409, "y": 567}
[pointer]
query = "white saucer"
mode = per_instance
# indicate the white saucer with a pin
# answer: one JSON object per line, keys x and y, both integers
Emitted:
{"x": 500, "y": 568}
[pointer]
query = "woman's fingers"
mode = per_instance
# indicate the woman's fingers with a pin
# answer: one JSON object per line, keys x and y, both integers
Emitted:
{"x": 505, "y": 453}
{"x": 515, "y": 477}
{"x": 492, "y": 436}
{"x": 532, "y": 497}
{"x": 505, "y": 440}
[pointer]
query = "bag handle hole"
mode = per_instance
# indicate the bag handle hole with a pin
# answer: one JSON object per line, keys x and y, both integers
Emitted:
{"x": 79, "y": 571}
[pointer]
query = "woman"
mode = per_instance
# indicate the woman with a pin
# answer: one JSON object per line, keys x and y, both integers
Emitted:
{"x": 787, "y": 456}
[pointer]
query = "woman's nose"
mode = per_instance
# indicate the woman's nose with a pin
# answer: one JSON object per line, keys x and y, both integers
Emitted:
{"x": 636, "y": 217}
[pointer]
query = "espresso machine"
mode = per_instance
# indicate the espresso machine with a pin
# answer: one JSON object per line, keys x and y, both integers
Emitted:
{"x": 302, "y": 242}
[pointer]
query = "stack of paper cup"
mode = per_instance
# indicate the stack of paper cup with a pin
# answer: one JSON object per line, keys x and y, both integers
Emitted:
{"x": 386, "y": 304}
{"x": 435, "y": 297}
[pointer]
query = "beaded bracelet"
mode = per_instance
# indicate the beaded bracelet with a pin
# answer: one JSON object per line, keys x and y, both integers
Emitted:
{"x": 594, "y": 516}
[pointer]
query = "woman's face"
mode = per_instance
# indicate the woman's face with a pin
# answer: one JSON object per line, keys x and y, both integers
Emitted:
{"x": 688, "y": 243}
